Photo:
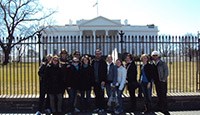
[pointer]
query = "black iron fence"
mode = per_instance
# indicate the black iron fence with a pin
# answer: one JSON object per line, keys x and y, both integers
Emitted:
{"x": 182, "y": 54}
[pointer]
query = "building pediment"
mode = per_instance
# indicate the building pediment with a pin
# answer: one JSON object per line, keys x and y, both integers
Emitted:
{"x": 99, "y": 21}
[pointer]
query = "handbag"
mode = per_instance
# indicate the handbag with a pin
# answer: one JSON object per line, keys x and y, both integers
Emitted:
{"x": 113, "y": 100}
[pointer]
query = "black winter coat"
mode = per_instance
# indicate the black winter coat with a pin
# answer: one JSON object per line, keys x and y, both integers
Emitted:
{"x": 102, "y": 72}
{"x": 73, "y": 79}
{"x": 148, "y": 69}
{"x": 87, "y": 78}
{"x": 64, "y": 64}
{"x": 132, "y": 76}
{"x": 131, "y": 72}
{"x": 41, "y": 72}
{"x": 54, "y": 79}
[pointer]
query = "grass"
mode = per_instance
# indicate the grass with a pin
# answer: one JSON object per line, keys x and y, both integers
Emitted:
{"x": 22, "y": 78}
{"x": 183, "y": 77}
{"x": 19, "y": 79}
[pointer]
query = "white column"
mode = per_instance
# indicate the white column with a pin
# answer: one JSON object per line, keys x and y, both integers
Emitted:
{"x": 106, "y": 32}
{"x": 80, "y": 40}
{"x": 107, "y": 46}
{"x": 81, "y": 33}
{"x": 94, "y": 40}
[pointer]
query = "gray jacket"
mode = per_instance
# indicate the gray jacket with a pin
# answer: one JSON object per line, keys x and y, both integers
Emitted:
{"x": 112, "y": 74}
{"x": 163, "y": 71}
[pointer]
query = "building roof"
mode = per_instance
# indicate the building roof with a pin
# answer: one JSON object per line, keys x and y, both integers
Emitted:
{"x": 99, "y": 23}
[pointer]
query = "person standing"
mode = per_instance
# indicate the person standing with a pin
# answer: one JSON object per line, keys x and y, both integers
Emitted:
{"x": 100, "y": 71}
{"x": 111, "y": 78}
{"x": 43, "y": 88}
{"x": 146, "y": 74}
{"x": 64, "y": 64}
{"x": 132, "y": 79}
{"x": 74, "y": 84}
{"x": 87, "y": 81}
{"x": 55, "y": 84}
{"x": 121, "y": 82}
{"x": 160, "y": 69}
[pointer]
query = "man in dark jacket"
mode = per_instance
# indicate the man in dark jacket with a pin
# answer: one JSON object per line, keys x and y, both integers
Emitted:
{"x": 132, "y": 79}
{"x": 160, "y": 79}
{"x": 100, "y": 71}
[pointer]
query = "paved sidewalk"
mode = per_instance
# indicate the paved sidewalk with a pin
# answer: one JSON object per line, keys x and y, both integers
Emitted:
{"x": 197, "y": 112}
{"x": 184, "y": 113}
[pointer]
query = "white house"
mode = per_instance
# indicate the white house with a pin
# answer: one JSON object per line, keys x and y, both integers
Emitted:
{"x": 99, "y": 26}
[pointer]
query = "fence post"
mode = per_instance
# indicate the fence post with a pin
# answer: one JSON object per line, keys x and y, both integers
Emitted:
{"x": 198, "y": 62}
{"x": 39, "y": 45}
{"x": 121, "y": 33}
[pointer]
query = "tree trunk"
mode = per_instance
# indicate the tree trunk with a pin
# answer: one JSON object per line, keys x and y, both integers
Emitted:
{"x": 6, "y": 57}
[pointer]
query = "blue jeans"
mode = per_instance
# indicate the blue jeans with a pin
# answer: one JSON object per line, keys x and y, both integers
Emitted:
{"x": 120, "y": 100}
{"x": 108, "y": 90}
{"x": 147, "y": 94}
{"x": 56, "y": 106}
{"x": 72, "y": 96}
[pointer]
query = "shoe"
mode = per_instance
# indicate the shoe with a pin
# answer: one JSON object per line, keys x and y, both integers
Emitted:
{"x": 101, "y": 110}
{"x": 147, "y": 112}
{"x": 69, "y": 113}
{"x": 118, "y": 111}
{"x": 165, "y": 112}
{"x": 109, "y": 110}
{"x": 47, "y": 111}
{"x": 38, "y": 113}
{"x": 96, "y": 110}
{"x": 76, "y": 110}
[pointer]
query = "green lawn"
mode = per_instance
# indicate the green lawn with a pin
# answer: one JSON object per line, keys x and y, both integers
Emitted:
{"x": 19, "y": 79}
{"x": 22, "y": 78}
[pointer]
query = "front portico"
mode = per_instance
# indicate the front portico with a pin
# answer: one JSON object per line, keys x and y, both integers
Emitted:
{"x": 99, "y": 26}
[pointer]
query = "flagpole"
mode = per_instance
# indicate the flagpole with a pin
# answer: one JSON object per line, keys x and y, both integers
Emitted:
{"x": 97, "y": 8}
{"x": 97, "y": 5}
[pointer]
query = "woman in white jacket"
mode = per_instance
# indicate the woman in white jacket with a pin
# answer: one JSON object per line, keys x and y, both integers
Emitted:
{"x": 121, "y": 81}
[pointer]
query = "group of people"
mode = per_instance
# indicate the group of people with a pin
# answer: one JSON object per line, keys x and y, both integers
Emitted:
{"x": 80, "y": 75}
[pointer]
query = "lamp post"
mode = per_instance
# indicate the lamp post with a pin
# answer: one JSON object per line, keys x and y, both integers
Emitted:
{"x": 198, "y": 60}
{"x": 121, "y": 33}
{"x": 39, "y": 34}
{"x": 198, "y": 36}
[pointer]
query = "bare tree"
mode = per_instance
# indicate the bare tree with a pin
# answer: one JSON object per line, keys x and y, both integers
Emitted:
{"x": 20, "y": 18}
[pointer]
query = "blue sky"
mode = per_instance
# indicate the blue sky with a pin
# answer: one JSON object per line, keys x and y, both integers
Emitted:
{"x": 175, "y": 17}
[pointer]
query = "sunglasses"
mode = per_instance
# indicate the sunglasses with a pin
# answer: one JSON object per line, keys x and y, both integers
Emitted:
{"x": 76, "y": 61}
{"x": 154, "y": 55}
{"x": 98, "y": 53}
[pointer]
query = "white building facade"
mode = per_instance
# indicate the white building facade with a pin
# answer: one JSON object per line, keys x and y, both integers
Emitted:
{"x": 91, "y": 32}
